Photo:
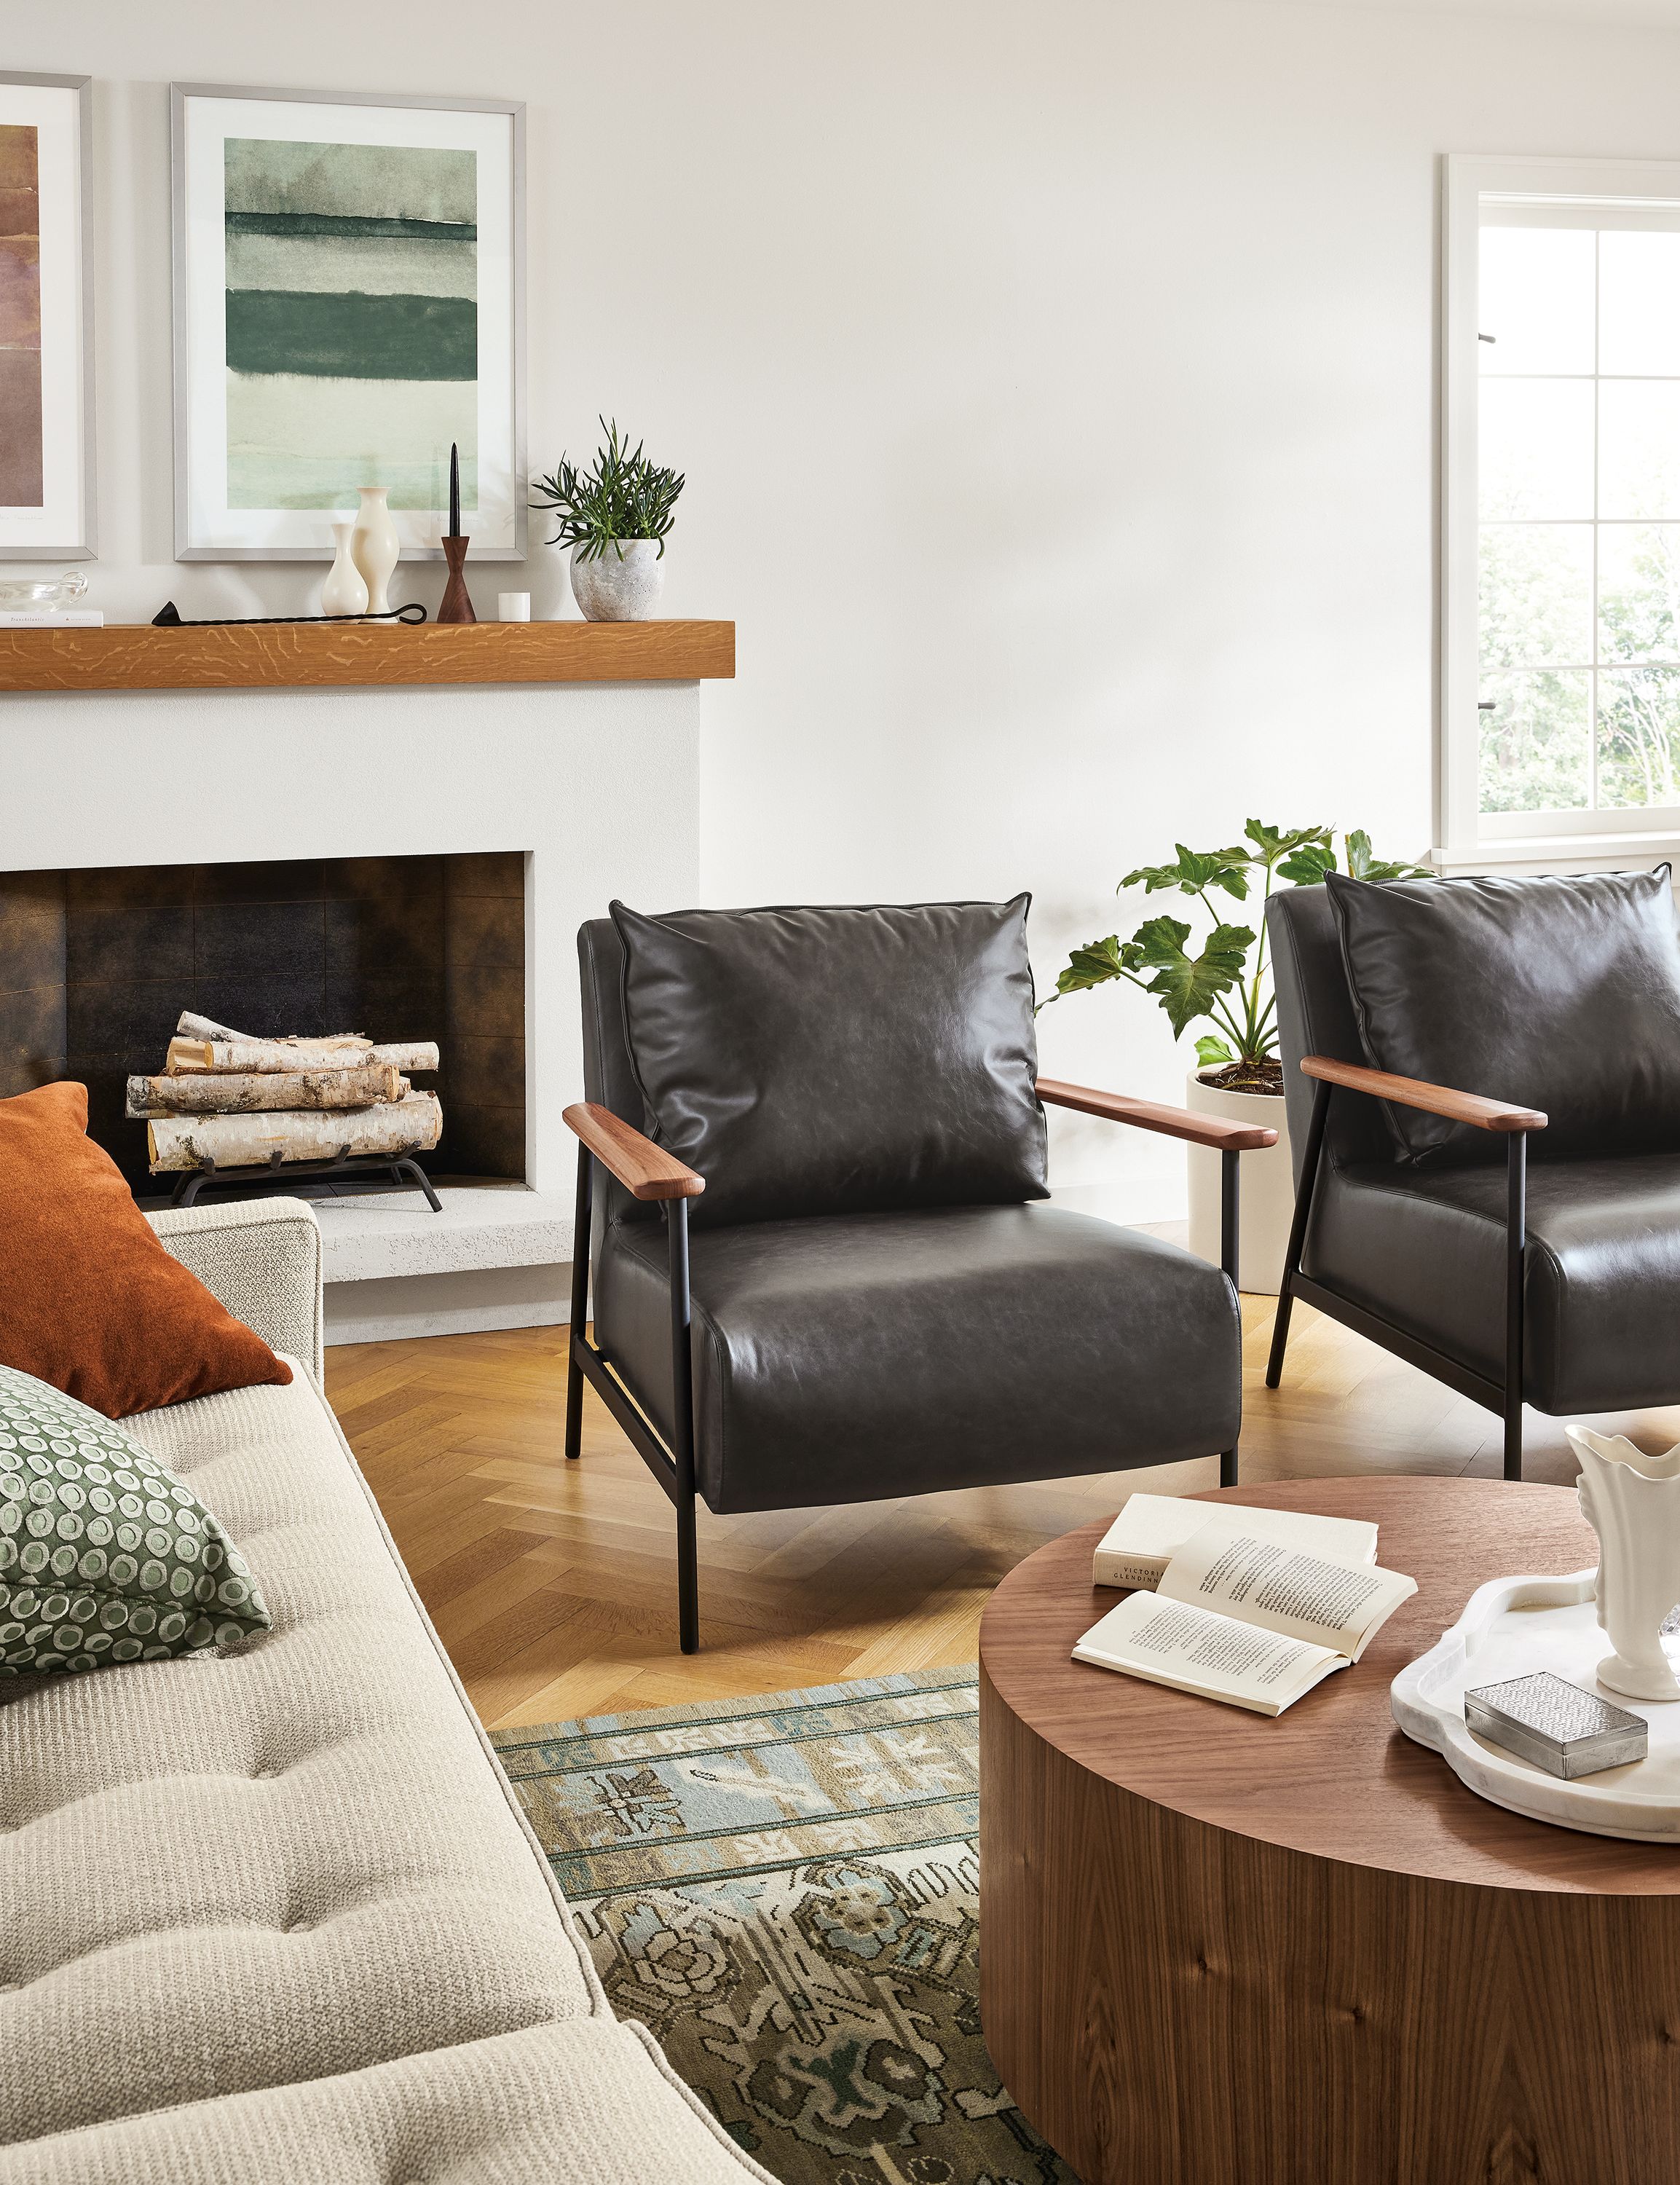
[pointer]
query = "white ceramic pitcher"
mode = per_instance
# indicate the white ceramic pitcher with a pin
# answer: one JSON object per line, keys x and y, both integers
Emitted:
{"x": 1632, "y": 1501}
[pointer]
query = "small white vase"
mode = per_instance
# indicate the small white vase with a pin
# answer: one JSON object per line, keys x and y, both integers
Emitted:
{"x": 1265, "y": 1203}
{"x": 345, "y": 591}
{"x": 1632, "y": 1501}
{"x": 622, "y": 585}
{"x": 375, "y": 546}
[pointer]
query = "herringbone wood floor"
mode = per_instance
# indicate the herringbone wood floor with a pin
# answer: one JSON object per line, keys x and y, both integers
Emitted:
{"x": 553, "y": 1585}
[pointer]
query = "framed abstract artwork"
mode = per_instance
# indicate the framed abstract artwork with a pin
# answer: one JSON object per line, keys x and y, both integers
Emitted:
{"x": 349, "y": 296}
{"x": 46, "y": 319}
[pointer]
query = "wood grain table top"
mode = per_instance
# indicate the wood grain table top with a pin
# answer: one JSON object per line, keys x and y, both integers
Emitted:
{"x": 1333, "y": 1776}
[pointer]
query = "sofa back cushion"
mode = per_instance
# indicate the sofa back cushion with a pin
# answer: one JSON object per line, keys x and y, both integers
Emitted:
{"x": 836, "y": 1061}
{"x": 1562, "y": 994}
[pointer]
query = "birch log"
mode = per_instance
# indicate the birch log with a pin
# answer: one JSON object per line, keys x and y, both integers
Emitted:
{"x": 209, "y": 1093}
{"x": 407, "y": 1126}
{"x": 191, "y": 1057}
{"x": 197, "y": 1027}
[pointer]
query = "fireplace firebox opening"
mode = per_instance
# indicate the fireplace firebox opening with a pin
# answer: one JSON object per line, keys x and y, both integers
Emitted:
{"x": 96, "y": 966}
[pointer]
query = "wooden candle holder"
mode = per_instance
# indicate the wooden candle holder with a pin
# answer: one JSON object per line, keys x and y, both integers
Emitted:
{"x": 456, "y": 605}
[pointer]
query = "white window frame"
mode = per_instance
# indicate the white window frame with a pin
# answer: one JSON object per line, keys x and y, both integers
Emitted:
{"x": 1645, "y": 192}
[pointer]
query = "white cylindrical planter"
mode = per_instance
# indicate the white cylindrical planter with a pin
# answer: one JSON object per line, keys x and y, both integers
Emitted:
{"x": 622, "y": 585}
{"x": 1266, "y": 1203}
{"x": 375, "y": 546}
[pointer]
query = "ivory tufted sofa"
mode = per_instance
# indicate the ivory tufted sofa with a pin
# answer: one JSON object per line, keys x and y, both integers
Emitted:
{"x": 273, "y": 1917}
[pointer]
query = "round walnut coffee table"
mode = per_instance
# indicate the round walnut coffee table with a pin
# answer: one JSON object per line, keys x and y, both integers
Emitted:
{"x": 1219, "y": 1949}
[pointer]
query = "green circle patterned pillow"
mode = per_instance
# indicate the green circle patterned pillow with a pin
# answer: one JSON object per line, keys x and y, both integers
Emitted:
{"x": 104, "y": 1555}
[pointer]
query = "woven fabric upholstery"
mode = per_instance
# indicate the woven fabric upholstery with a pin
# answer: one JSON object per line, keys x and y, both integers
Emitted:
{"x": 588, "y": 2103}
{"x": 262, "y": 1259}
{"x": 274, "y": 1915}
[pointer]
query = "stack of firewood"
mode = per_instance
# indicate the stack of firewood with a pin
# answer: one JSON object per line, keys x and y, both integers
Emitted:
{"x": 228, "y": 1101}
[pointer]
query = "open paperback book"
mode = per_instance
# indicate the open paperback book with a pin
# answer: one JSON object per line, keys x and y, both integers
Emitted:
{"x": 1246, "y": 1619}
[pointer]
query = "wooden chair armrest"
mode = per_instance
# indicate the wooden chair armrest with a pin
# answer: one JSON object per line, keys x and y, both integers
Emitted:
{"x": 644, "y": 1169}
{"x": 1433, "y": 1099}
{"x": 1150, "y": 1116}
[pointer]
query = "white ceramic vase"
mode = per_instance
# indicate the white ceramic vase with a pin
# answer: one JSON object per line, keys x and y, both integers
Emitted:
{"x": 622, "y": 585}
{"x": 1632, "y": 1501}
{"x": 375, "y": 546}
{"x": 345, "y": 591}
{"x": 1266, "y": 1202}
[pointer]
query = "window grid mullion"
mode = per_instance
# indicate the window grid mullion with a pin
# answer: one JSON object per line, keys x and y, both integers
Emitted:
{"x": 1598, "y": 504}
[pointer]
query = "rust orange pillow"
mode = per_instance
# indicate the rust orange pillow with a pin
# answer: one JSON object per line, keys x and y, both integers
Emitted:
{"x": 90, "y": 1301}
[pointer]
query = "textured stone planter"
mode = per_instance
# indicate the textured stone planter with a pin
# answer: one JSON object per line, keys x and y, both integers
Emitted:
{"x": 622, "y": 584}
{"x": 1268, "y": 1188}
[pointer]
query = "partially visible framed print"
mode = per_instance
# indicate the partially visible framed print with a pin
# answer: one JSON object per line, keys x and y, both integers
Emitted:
{"x": 349, "y": 301}
{"x": 46, "y": 319}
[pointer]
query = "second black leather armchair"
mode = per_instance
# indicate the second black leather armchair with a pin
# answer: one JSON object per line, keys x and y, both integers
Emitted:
{"x": 1519, "y": 1253}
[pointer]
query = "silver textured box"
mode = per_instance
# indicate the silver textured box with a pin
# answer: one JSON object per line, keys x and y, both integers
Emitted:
{"x": 1558, "y": 1726}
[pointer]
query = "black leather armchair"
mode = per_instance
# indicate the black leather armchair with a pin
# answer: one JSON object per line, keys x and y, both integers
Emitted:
{"x": 910, "y": 1342}
{"x": 1420, "y": 1219}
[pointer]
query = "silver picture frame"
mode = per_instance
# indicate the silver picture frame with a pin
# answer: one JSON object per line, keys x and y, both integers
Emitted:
{"x": 83, "y": 545}
{"x": 186, "y": 547}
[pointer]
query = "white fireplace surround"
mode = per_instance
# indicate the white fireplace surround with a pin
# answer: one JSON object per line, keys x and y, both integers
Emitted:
{"x": 598, "y": 783}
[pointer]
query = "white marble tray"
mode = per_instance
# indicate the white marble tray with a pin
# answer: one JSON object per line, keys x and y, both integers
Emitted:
{"x": 1511, "y": 1628}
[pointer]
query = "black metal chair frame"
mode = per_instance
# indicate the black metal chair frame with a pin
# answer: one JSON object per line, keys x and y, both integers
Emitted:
{"x": 1503, "y": 1396}
{"x": 673, "y": 1466}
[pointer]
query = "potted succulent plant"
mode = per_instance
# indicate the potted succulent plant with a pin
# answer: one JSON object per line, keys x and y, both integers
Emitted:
{"x": 614, "y": 519}
{"x": 1227, "y": 985}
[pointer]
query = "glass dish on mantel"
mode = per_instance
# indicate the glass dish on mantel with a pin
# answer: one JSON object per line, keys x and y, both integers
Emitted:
{"x": 62, "y": 590}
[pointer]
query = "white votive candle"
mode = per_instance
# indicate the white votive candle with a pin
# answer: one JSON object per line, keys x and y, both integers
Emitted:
{"x": 513, "y": 607}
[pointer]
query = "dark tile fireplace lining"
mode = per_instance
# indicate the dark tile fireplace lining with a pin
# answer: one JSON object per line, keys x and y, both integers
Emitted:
{"x": 96, "y": 966}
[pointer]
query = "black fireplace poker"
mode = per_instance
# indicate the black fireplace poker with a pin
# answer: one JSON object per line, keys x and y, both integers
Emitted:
{"x": 170, "y": 617}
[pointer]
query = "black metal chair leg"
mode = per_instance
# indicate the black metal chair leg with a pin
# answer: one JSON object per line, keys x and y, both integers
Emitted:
{"x": 1227, "y": 1467}
{"x": 1516, "y": 1233}
{"x": 580, "y": 1304}
{"x": 683, "y": 1426}
{"x": 1311, "y": 1155}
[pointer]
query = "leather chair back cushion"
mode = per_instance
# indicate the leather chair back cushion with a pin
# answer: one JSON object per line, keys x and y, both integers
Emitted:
{"x": 837, "y": 1061}
{"x": 1563, "y": 994}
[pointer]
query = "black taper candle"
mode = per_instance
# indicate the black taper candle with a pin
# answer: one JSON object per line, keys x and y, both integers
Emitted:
{"x": 454, "y": 490}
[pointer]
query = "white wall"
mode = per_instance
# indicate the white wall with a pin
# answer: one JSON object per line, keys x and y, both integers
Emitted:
{"x": 1055, "y": 386}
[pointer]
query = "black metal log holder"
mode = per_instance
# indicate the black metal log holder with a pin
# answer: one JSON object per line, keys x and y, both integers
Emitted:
{"x": 398, "y": 1168}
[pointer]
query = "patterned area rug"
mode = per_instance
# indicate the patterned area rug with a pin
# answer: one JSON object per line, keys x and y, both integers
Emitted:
{"x": 786, "y": 1892}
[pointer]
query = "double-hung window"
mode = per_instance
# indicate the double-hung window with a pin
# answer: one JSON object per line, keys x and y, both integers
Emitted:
{"x": 1560, "y": 707}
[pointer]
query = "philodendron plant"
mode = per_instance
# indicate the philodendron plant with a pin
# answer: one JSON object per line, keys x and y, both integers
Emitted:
{"x": 1227, "y": 980}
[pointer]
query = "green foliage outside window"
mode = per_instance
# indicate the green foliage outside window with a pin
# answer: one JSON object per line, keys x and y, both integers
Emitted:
{"x": 1538, "y": 730}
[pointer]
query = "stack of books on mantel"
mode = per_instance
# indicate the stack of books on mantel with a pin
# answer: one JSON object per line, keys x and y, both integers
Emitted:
{"x": 1250, "y": 1606}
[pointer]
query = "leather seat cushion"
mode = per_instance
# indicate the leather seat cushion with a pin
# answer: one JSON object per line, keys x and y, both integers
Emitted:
{"x": 830, "y": 1061}
{"x": 847, "y": 1357}
{"x": 1563, "y": 994}
{"x": 1428, "y": 1254}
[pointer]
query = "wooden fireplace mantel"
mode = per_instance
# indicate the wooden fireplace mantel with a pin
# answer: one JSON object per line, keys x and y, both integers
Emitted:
{"x": 281, "y": 655}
